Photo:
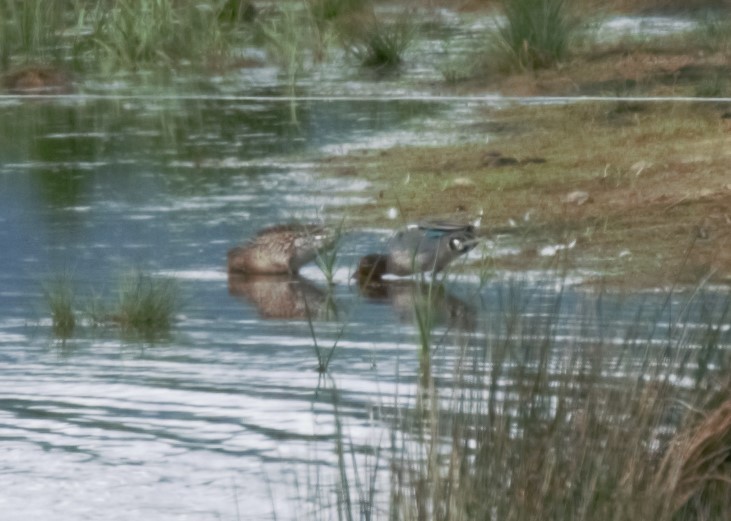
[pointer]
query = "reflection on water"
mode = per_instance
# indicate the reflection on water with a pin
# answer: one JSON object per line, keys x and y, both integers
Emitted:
{"x": 408, "y": 297}
{"x": 282, "y": 296}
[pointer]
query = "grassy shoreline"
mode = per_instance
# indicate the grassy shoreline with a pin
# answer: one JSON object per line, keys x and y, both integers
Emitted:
{"x": 643, "y": 190}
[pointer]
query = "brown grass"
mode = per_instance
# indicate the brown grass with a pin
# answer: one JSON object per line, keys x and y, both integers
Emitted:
{"x": 697, "y": 465}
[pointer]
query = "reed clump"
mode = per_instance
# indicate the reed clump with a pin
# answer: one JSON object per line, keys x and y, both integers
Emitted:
{"x": 593, "y": 425}
{"x": 125, "y": 34}
{"x": 695, "y": 468}
{"x": 545, "y": 429}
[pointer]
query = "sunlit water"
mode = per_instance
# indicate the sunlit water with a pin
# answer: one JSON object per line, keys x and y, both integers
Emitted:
{"x": 228, "y": 417}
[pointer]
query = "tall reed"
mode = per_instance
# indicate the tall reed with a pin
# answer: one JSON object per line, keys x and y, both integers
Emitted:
{"x": 548, "y": 429}
{"x": 592, "y": 424}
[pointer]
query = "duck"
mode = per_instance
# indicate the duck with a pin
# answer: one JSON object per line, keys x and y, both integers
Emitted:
{"x": 428, "y": 246}
{"x": 280, "y": 249}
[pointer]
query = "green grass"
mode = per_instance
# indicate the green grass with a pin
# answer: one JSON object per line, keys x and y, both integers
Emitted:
{"x": 536, "y": 34}
{"x": 59, "y": 297}
{"x": 327, "y": 259}
{"x": 146, "y": 304}
{"x": 30, "y": 29}
{"x": 123, "y": 34}
{"x": 380, "y": 44}
{"x": 134, "y": 33}
{"x": 325, "y": 11}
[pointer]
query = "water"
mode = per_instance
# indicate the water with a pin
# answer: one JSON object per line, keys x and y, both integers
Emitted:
{"x": 228, "y": 418}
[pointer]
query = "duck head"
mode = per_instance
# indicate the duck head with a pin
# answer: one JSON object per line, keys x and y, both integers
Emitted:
{"x": 371, "y": 268}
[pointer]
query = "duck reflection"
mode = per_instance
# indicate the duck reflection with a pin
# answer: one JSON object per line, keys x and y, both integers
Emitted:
{"x": 408, "y": 296}
{"x": 283, "y": 296}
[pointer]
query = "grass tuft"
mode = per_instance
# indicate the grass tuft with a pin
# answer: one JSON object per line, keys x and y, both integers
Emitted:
{"x": 146, "y": 304}
{"x": 60, "y": 300}
{"x": 536, "y": 34}
{"x": 381, "y": 44}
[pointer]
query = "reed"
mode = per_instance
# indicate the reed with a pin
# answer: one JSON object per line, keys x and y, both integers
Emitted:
{"x": 324, "y": 11}
{"x": 327, "y": 259}
{"x": 289, "y": 39}
{"x": 534, "y": 426}
{"x": 713, "y": 34}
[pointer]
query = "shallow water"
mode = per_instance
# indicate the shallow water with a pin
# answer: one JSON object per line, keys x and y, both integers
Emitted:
{"x": 228, "y": 418}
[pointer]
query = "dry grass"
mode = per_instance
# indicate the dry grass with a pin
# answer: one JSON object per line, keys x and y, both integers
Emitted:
{"x": 696, "y": 467}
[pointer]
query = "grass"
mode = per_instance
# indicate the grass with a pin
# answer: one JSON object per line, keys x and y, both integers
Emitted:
{"x": 536, "y": 34}
{"x": 379, "y": 44}
{"x": 326, "y": 259}
{"x": 126, "y": 34}
{"x": 324, "y": 11}
{"x": 714, "y": 31}
{"x": 59, "y": 297}
{"x": 144, "y": 305}
{"x": 135, "y": 33}
{"x": 323, "y": 354}
{"x": 30, "y": 28}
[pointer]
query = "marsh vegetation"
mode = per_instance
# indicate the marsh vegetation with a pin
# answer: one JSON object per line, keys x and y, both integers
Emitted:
{"x": 144, "y": 305}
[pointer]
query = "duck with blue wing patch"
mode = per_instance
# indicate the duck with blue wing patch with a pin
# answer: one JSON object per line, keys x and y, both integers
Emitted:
{"x": 426, "y": 247}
